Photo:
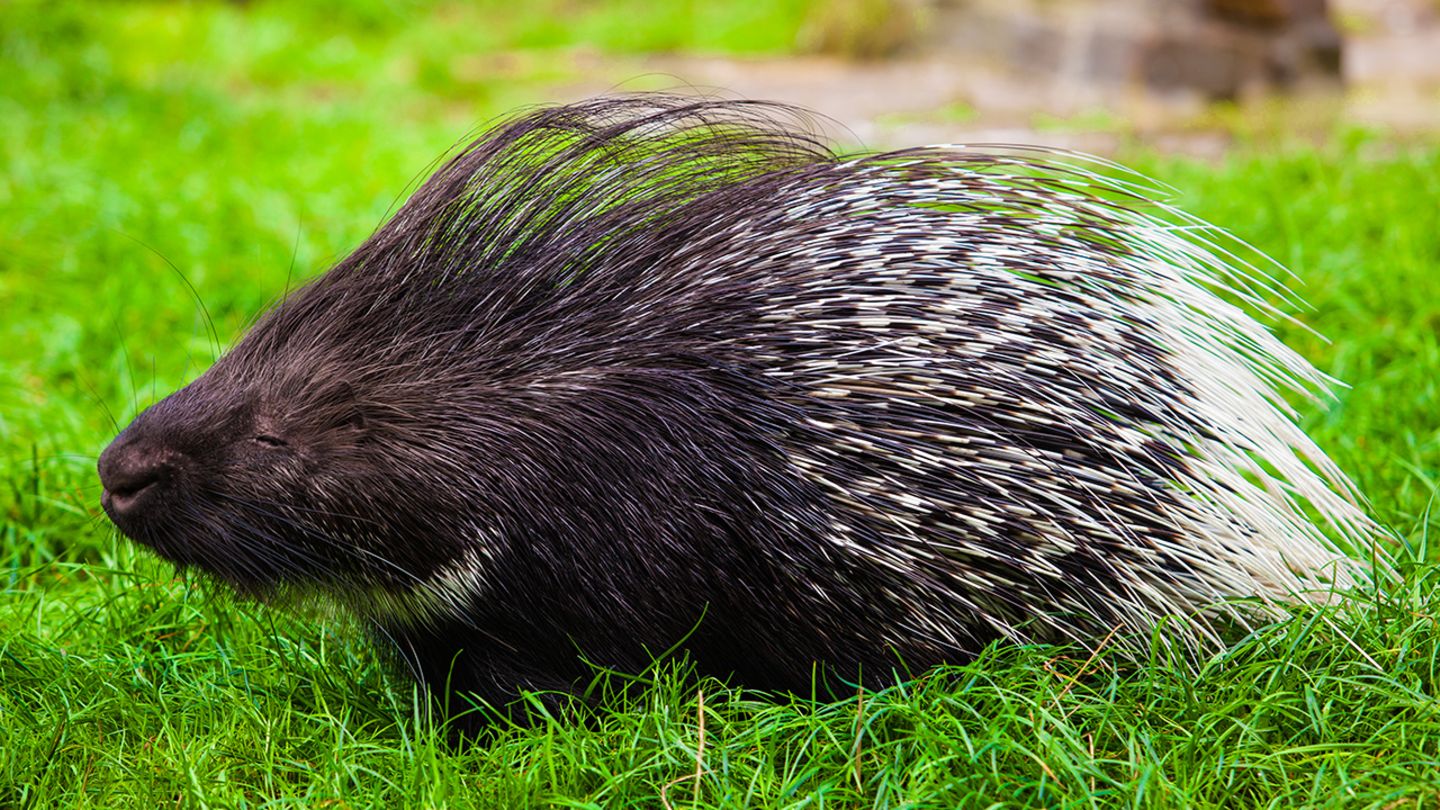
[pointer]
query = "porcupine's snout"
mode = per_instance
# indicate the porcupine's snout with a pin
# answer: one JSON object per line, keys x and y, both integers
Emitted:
{"x": 136, "y": 470}
{"x": 151, "y": 473}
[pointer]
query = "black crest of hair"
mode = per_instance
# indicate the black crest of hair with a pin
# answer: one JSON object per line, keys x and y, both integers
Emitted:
{"x": 650, "y": 369}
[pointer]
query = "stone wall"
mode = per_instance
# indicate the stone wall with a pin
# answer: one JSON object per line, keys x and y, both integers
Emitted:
{"x": 1212, "y": 49}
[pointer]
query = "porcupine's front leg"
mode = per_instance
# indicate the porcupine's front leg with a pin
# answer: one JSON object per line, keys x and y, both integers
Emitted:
{"x": 472, "y": 680}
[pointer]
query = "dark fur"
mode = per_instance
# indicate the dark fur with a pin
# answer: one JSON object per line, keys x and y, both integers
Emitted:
{"x": 548, "y": 360}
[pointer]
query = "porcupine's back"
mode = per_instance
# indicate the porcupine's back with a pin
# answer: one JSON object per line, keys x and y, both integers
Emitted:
{"x": 627, "y": 363}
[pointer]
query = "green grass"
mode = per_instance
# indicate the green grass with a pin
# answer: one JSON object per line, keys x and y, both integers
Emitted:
{"x": 248, "y": 146}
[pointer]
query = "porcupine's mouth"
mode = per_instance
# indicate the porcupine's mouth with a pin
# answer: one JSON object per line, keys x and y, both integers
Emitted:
{"x": 139, "y": 526}
{"x": 167, "y": 543}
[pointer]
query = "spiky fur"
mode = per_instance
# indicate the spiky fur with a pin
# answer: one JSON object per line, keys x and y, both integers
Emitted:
{"x": 628, "y": 363}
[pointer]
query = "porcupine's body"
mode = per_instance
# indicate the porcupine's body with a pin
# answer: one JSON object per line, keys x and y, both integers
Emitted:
{"x": 639, "y": 368}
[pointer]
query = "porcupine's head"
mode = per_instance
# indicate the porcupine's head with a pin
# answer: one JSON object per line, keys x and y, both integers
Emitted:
{"x": 254, "y": 471}
{"x": 362, "y": 435}
{"x": 321, "y": 451}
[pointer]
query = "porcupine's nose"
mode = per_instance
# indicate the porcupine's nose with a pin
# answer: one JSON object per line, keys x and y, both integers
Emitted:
{"x": 132, "y": 472}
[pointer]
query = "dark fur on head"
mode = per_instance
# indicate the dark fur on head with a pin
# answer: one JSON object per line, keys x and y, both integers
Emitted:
{"x": 622, "y": 364}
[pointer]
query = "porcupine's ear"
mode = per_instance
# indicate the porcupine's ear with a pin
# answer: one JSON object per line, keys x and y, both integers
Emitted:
{"x": 337, "y": 405}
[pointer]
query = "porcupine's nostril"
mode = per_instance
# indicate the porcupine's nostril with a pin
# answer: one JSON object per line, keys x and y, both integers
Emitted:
{"x": 130, "y": 471}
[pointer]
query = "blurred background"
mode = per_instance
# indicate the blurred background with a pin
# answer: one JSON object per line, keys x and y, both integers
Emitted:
{"x": 1181, "y": 74}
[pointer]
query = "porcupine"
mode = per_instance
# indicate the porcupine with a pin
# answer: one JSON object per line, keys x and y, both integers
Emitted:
{"x": 647, "y": 369}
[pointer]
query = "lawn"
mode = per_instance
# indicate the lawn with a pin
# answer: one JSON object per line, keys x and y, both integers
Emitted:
{"x": 166, "y": 170}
